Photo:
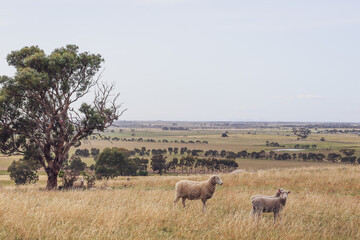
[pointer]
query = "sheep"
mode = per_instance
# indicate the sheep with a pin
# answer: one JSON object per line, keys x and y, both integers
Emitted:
{"x": 193, "y": 190}
{"x": 270, "y": 204}
{"x": 277, "y": 194}
{"x": 79, "y": 184}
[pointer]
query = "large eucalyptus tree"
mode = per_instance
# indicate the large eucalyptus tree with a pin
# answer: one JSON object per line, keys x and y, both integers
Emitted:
{"x": 37, "y": 115}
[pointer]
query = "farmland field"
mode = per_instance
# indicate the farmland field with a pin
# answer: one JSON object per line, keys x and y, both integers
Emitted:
{"x": 324, "y": 203}
{"x": 250, "y": 139}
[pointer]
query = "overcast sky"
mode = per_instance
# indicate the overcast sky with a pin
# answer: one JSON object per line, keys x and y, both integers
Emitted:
{"x": 207, "y": 60}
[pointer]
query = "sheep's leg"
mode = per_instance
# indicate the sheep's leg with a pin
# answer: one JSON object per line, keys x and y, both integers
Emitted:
{"x": 279, "y": 216}
{"x": 276, "y": 214}
{"x": 183, "y": 201}
{"x": 257, "y": 215}
{"x": 204, "y": 206}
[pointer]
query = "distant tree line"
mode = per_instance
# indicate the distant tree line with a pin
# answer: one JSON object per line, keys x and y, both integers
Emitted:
{"x": 108, "y": 138}
{"x": 334, "y": 131}
{"x": 86, "y": 153}
{"x": 317, "y": 157}
{"x": 305, "y": 146}
{"x": 190, "y": 164}
{"x": 176, "y": 128}
{"x": 297, "y": 146}
{"x": 273, "y": 144}
{"x": 113, "y": 162}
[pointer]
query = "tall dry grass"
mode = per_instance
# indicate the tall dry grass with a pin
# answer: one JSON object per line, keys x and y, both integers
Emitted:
{"x": 324, "y": 204}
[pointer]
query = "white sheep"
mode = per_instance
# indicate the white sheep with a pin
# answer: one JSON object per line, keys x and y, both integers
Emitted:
{"x": 193, "y": 190}
{"x": 277, "y": 194}
{"x": 270, "y": 204}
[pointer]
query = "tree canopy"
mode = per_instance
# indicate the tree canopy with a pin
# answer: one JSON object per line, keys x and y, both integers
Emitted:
{"x": 158, "y": 163}
{"x": 114, "y": 162}
{"x": 37, "y": 112}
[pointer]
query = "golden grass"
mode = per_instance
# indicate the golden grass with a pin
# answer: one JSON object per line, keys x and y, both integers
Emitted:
{"x": 324, "y": 204}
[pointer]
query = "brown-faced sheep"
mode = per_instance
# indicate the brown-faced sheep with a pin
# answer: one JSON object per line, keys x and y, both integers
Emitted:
{"x": 270, "y": 204}
{"x": 277, "y": 194}
{"x": 193, "y": 190}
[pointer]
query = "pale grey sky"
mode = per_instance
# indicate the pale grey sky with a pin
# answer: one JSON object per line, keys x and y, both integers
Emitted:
{"x": 207, "y": 60}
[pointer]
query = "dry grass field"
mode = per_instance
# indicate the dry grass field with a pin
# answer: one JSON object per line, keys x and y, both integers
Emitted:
{"x": 324, "y": 204}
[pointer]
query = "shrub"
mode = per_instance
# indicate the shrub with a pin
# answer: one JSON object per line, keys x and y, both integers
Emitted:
{"x": 143, "y": 173}
{"x": 23, "y": 172}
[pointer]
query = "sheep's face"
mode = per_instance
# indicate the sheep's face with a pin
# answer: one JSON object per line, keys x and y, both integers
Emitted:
{"x": 216, "y": 180}
{"x": 283, "y": 193}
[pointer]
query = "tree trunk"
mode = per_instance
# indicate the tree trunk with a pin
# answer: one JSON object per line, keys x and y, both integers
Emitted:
{"x": 52, "y": 179}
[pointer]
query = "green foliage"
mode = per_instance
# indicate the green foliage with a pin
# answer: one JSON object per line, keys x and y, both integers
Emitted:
{"x": 273, "y": 144}
{"x": 143, "y": 173}
{"x": 94, "y": 152}
{"x": 333, "y": 157}
{"x": 82, "y": 152}
{"x": 172, "y": 164}
{"x": 141, "y": 163}
{"x": 75, "y": 165}
{"x": 158, "y": 163}
{"x": 23, "y": 172}
{"x": 348, "y": 152}
{"x": 349, "y": 158}
{"x": 114, "y": 162}
{"x": 36, "y": 112}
